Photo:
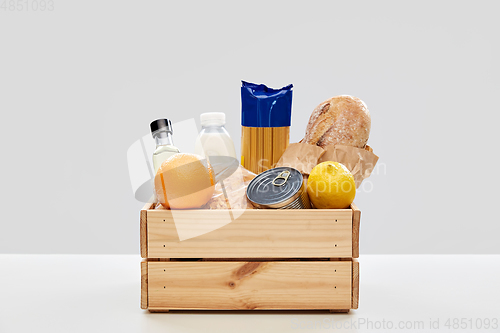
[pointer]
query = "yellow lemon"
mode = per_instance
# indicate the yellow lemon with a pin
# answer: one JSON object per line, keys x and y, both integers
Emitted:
{"x": 331, "y": 185}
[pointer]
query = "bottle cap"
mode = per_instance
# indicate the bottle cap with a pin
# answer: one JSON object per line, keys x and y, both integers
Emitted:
{"x": 213, "y": 118}
{"x": 161, "y": 124}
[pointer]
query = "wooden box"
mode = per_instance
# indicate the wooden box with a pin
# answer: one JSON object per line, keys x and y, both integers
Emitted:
{"x": 265, "y": 259}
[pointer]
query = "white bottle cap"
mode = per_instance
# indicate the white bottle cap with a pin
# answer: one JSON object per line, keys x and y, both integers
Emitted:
{"x": 213, "y": 118}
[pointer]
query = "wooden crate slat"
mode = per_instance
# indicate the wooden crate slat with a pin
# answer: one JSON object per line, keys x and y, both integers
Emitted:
{"x": 144, "y": 285}
{"x": 356, "y": 218}
{"x": 143, "y": 229}
{"x": 204, "y": 285}
{"x": 256, "y": 233}
{"x": 355, "y": 284}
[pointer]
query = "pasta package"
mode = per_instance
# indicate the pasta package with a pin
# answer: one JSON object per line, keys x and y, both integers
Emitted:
{"x": 265, "y": 119}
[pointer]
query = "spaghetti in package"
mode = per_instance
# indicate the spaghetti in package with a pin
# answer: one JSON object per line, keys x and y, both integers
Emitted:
{"x": 265, "y": 119}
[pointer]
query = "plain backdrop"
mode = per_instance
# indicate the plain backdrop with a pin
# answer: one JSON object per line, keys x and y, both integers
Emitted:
{"x": 80, "y": 83}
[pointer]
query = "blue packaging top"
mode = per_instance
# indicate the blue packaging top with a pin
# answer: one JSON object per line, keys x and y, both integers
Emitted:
{"x": 262, "y": 106}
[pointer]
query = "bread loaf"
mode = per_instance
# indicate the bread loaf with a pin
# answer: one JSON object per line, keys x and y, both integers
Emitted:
{"x": 341, "y": 120}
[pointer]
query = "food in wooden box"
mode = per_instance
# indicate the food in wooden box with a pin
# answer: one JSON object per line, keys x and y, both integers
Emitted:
{"x": 230, "y": 193}
{"x": 184, "y": 181}
{"x": 341, "y": 120}
{"x": 331, "y": 185}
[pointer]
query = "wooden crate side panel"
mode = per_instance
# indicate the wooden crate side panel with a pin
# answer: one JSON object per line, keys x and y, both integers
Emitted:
{"x": 144, "y": 234}
{"x": 144, "y": 285}
{"x": 356, "y": 219}
{"x": 143, "y": 229}
{"x": 210, "y": 285}
{"x": 355, "y": 284}
{"x": 256, "y": 233}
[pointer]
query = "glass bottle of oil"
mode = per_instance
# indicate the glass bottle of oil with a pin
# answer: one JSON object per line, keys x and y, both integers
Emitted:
{"x": 162, "y": 131}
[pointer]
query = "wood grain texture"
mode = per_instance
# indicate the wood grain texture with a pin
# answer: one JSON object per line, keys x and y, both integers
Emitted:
{"x": 210, "y": 285}
{"x": 355, "y": 284}
{"x": 144, "y": 285}
{"x": 356, "y": 218}
{"x": 158, "y": 311}
{"x": 340, "y": 259}
{"x": 257, "y": 233}
{"x": 143, "y": 229}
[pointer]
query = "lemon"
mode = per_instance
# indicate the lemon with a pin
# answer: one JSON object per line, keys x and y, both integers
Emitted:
{"x": 331, "y": 185}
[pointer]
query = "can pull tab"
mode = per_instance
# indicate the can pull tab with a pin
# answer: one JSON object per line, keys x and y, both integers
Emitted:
{"x": 283, "y": 175}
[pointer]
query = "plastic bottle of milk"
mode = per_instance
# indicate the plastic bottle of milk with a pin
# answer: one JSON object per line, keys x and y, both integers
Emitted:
{"x": 213, "y": 139}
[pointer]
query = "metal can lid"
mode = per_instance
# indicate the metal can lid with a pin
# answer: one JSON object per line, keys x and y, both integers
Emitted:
{"x": 275, "y": 188}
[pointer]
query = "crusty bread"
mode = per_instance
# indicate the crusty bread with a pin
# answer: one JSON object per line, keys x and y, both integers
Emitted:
{"x": 341, "y": 120}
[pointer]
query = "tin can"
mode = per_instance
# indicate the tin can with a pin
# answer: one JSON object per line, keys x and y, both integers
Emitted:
{"x": 279, "y": 188}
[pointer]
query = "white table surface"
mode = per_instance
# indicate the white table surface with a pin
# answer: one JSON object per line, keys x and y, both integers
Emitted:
{"x": 101, "y": 293}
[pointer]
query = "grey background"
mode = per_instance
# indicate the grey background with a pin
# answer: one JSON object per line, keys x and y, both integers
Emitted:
{"x": 80, "y": 84}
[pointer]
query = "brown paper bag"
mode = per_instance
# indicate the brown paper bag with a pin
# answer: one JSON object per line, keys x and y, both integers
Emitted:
{"x": 304, "y": 157}
{"x": 301, "y": 156}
